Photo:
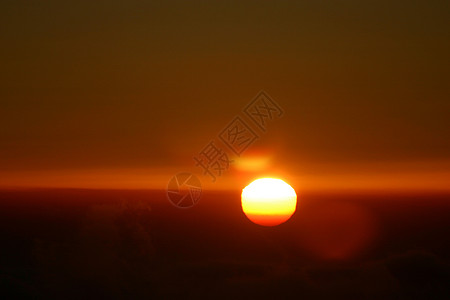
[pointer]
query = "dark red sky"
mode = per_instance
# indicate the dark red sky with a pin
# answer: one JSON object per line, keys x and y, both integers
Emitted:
{"x": 115, "y": 93}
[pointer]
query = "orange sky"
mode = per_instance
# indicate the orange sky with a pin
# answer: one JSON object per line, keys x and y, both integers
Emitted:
{"x": 125, "y": 94}
{"x": 371, "y": 178}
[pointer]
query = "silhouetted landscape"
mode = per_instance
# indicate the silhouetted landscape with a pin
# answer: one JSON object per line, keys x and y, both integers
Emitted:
{"x": 72, "y": 243}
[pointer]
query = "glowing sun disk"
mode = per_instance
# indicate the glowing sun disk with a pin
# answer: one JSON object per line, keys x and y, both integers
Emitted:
{"x": 268, "y": 201}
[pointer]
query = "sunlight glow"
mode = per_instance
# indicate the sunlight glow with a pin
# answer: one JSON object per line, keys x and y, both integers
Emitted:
{"x": 268, "y": 201}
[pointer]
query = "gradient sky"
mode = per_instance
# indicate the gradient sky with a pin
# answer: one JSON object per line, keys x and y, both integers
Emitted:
{"x": 120, "y": 93}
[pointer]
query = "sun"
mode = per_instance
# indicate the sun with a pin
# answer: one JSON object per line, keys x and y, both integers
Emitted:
{"x": 268, "y": 201}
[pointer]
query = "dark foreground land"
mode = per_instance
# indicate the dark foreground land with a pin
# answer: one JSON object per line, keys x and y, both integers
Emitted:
{"x": 73, "y": 244}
